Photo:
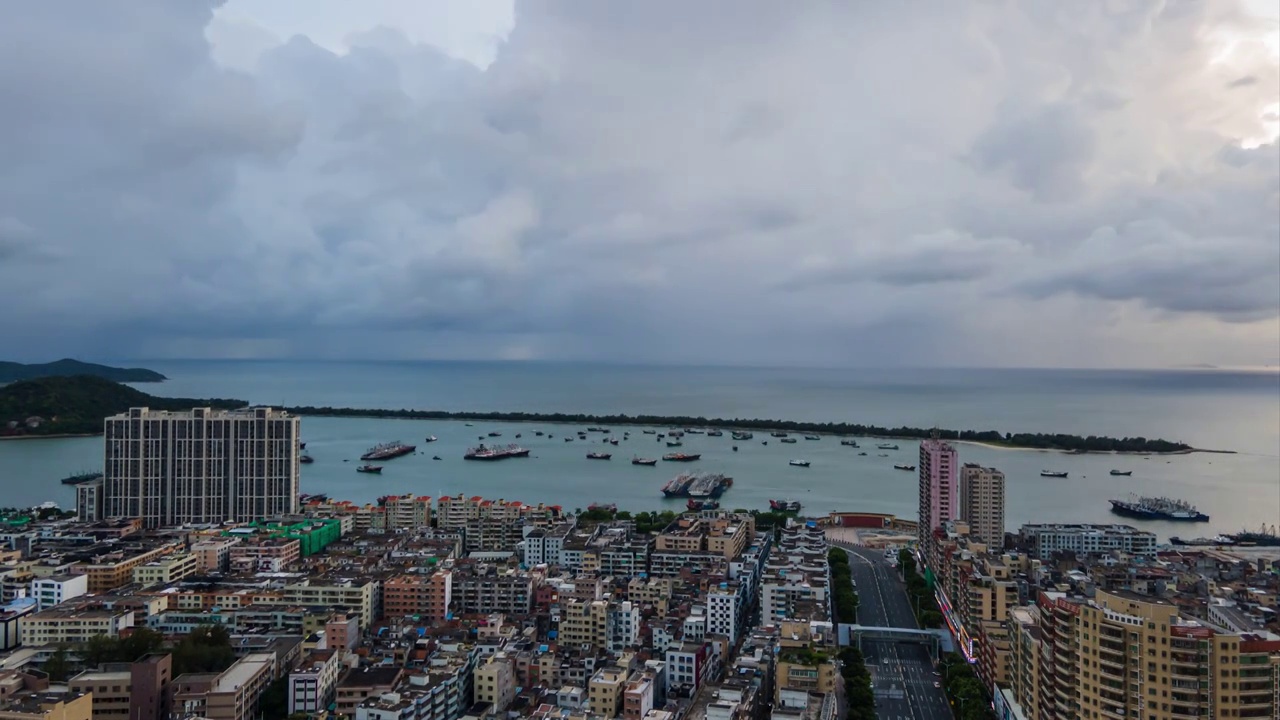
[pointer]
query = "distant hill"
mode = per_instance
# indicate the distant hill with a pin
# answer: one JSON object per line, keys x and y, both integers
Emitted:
{"x": 78, "y": 404}
{"x": 66, "y": 367}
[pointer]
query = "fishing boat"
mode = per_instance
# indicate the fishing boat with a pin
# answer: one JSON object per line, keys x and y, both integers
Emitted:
{"x": 798, "y": 463}
{"x": 598, "y": 456}
{"x": 908, "y": 468}
{"x": 812, "y": 437}
{"x": 681, "y": 457}
{"x": 849, "y": 443}
{"x": 644, "y": 461}
{"x": 649, "y": 432}
{"x": 887, "y": 446}
{"x": 431, "y": 438}
{"x": 306, "y": 459}
{"x": 788, "y": 440}
{"x": 1124, "y": 473}
{"x": 1053, "y": 473}
{"x": 369, "y": 469}
{"x": 741, "y": 435}
{"x": 674, "y": 443}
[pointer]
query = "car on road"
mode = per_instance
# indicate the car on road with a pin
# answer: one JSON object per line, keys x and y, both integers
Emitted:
{"x": 937, "y": 684}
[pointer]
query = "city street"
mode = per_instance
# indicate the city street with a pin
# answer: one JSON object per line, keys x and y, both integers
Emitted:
{"x": 901, "y": 672}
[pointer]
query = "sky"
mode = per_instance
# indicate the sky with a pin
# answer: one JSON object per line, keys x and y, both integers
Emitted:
{"x": 996, "y": 183}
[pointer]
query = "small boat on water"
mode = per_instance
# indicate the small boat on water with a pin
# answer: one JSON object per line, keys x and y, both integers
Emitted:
{"x": 812, "y": 437}
{"x": 1124, "y": 473}
{"x": 568, "y": 439}
{"x": 517, "y": 435}
{"x": 598, "y": 456}
{"x": 681, "y": 457}
{"x": 788, "y": 440}
{"x": 302, "y": 446}
{"x": 538, "y": 433}
{"x": 649, "y": 432}
{"x": 861, "y": 454}
{"x": 849, "y": 443}
{"x": 431, "y": 438}
{"x": 735, "y": 448}
{"x": 908, "y": 468}
{"x": 306, "y": 459}
{"x": 798, "y": 463}
{"x": 887, "y": 446}
{"x": 470, "y": 424}
{"x": 376, "y": 469}
{"x": 742, "y": 435}
{"x": 674, "y": 443}
{"x": 1053, "y": 473}
{"x": 714, "y": 433}
{"x": 495, "y": 434}
{"x": 435, "y": 457}
{"x": 778, "y": 434}
{"x": 643, "y": 461}
{"x": 613, "y": 441}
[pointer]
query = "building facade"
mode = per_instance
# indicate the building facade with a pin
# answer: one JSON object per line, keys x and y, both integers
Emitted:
{"x": 200, "y": 466}
{"x": 982, "y": 503}
{"x": 939, "y": 487}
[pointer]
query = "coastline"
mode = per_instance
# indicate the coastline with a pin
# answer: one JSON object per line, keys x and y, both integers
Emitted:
{"x": 51, "y": 436}
{"x": 1157, "y": 446}
{"x": 997, "y": 446}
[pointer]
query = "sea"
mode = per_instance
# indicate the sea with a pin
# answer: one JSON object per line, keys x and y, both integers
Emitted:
{"x": 1235, "y": 411}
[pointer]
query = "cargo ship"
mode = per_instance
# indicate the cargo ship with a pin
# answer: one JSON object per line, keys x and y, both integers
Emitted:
{"x": 81, "y": 478}
{"x": 681, "y": 457}
{"x": 1263, "y": 537}
{"x": 482, "y": 452}
{"x": 784, "y": 505}
{"x": 1158, "y": 508}
{"x": 697, "y": 485}
{"x": 695, "y": 504}
{"x": 387, "y": 451}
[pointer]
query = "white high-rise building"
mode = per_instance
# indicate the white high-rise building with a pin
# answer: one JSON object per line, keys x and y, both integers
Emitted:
{"x": 200, "y": 466}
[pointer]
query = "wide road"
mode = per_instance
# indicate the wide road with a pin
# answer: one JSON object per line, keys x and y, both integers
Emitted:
{"x": 901, "y": 672}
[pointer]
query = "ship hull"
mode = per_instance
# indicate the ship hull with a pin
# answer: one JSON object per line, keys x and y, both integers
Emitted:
{"x": 1140, "y": 513}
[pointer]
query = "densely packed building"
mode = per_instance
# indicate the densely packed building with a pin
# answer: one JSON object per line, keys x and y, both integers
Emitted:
{"x": 421, "y": 608}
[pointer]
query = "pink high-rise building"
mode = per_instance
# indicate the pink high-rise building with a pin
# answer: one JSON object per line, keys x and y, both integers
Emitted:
{"x": 939, "y": 488}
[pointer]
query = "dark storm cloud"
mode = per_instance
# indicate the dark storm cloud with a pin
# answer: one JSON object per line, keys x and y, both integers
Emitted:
{"x": 621, "y": 185}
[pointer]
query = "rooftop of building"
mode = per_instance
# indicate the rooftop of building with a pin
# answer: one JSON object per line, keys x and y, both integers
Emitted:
{"x": 370, "y": 677}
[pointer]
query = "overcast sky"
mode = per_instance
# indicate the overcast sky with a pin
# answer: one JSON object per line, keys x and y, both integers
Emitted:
{"x": 1005, "y": 182}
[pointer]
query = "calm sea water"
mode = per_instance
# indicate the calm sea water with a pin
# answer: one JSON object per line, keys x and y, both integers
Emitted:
{"x": 1237, "y": 411}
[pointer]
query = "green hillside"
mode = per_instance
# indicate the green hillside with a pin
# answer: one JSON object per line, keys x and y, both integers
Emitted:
{"x": 79, "y": 403}
{"x": 66, "y": 367}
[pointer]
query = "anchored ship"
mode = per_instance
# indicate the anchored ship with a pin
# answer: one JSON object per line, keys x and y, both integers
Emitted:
{"x": 387, "y": 451}
{"x": 369, "y": 469}
{"x": 1053, "y": 473}
{"x": 681, "y": 457}
{"x": 643, "y": 461}
{"x": 697, "y": 485}
{"x": 1158, "y": 508}
{"x": 908, "y": 468}
{"x": 481, "y": 452}
{"x": 737, "y": 435}
{"x": 599, "y": 456}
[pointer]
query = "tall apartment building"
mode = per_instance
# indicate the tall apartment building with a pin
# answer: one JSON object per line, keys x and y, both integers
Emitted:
{"x": 1125, "y": 655}
{"x": 982, "y": 503}
{"x": 427, "y": 597}
{"x": 200, "y": 466}
{"x": 939, "y": 488}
